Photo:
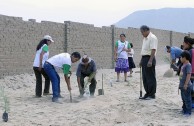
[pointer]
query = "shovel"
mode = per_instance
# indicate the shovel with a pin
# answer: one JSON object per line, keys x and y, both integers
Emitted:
{"x": 70, "y": 97}
{"x": 140, "y": 83}
{"x": 101, "y": 91}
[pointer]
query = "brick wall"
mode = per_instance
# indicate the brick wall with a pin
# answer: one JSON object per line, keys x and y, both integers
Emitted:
{"x": 18, "y": 41}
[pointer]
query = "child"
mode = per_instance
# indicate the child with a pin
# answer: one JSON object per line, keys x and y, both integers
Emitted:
{"x": 185, "y": 83}
{"x": 130, "y": 60}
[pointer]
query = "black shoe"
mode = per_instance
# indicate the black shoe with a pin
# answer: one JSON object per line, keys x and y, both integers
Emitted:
{"x": 144, "y": 97}
{"x": 151, "y": 97}
{"x": 38, "y": 96}
{"x": 47, "y": 94}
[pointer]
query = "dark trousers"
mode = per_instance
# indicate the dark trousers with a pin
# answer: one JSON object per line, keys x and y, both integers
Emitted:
{"x": 92, "y": 86}
{"x": 187, "y": 102}
{"x": 149, "y": 76}
{"x": 38, "y": 75}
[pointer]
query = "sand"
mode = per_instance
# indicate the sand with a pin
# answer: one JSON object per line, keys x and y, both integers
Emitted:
{"x": 119, "y": 106}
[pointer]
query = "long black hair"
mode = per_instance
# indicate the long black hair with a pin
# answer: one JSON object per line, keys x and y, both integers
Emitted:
{"x": 41, "y": 43}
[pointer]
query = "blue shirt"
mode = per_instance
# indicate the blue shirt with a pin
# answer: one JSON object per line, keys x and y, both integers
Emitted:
{"x": 185, "y": 69}
{"x": 175, "y": 52}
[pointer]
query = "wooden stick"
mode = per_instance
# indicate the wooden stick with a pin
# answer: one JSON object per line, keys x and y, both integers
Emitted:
{"x": 102, "y": 85}
{"x": 140, "y": 82}
{"x": 70, "y": 97}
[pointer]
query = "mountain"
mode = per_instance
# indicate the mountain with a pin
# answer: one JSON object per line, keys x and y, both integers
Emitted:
{"x": 173, "y": 19}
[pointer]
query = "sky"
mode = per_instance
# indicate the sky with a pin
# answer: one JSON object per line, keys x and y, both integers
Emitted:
{"x": 97, "y": 12}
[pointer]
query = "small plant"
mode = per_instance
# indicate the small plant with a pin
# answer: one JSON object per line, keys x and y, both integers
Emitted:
{"x": 5, "y": 104}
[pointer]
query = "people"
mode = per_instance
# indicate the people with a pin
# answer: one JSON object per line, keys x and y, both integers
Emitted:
{"x": 175, "y": 53}
{"x": 122, "y": 47}
{"x": 86, "y": 68}
{"x": 130, "y": 60}
{"x": 63, "y": 61}
{"x": 188, "y": 45}
{"x": 185, "y": 83}
{"x": 148, "y": 62}
{"x": 42, "y": 54}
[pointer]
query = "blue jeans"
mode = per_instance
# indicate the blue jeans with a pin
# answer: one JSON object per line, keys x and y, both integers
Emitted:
{"x": 187, "y": 102}
{"x": 54, "y": 77}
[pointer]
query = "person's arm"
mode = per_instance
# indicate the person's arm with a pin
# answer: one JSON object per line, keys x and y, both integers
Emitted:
{"x": 188, "y": 77}
{"x": 132, "y": 52}
{"x": 44, "y": 50}
{"x": 153, "y": 47}
{"x": 115, "y": 51}
{"x": 128, "y": 49}
{"x": 93, "y": 72}
{"x": 187, "y": 81}
{"x": 66, "y": 69}
{"x": 78, "y": 74}
{"x": 173, "y": 58}
{"x": 151, "y": 57}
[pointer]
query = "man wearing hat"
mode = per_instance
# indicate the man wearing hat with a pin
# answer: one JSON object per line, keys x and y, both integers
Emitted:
{"x": 86, "y": 68}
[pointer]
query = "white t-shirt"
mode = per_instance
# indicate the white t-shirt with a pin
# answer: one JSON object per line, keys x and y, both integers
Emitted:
{"x": 149, "y": 43}
{"x": 37, "y": 56}
{"x": 60, "y": 60}
{"x": 130, "y": 54}
{"x": 121, "y": 45}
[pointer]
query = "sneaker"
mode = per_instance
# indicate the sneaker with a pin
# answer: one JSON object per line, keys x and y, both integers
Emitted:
{"x": 56, "y": 100}
{"x": 60, "y": 96}
{"x": 192, "y": 105}
{"x": 187, "y": 114}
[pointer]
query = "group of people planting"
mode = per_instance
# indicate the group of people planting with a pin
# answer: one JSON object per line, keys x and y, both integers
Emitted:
{"x": 48, "y": 67}
{"x": 123, "y": 56}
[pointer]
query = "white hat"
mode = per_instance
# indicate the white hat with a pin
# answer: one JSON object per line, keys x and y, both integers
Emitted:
{"x": 48, "y": 38}
{"x": 84, "y": 57}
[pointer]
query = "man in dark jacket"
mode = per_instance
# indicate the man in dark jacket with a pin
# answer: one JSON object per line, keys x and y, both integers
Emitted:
{"x": 86, "y": 68}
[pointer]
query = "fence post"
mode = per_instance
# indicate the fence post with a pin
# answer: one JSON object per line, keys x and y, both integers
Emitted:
{"x": 113, "y": 41}
{"x": 66, "y": 33}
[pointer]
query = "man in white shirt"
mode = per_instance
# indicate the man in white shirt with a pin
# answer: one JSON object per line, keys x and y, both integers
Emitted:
{"x": 62, "y": 61}
{"x": 148, "y": 62}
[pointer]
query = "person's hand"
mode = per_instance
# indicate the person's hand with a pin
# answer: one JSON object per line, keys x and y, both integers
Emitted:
{"x": 149, "y": 64}
{"x": 115, "y": 58}
{"x": 185, "y": 87}
{"x": 124, "y": 49}
{"x": 81, "y": 90}
{"x": 69, "y": 88}
{"x": 140, "y": 64}
{"x": 89, "y": 80}
{"x": 70, "y": 73}
{"x": 39, "y": 68}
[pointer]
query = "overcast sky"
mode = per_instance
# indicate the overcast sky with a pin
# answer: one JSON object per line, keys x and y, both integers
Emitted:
{"x": 97, "y": 12}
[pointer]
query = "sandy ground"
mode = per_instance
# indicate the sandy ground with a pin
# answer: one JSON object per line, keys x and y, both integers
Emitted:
{"x": 119, "y": 106}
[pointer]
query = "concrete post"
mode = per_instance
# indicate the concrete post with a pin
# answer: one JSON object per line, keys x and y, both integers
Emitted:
{"x": 113, "y": 41}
